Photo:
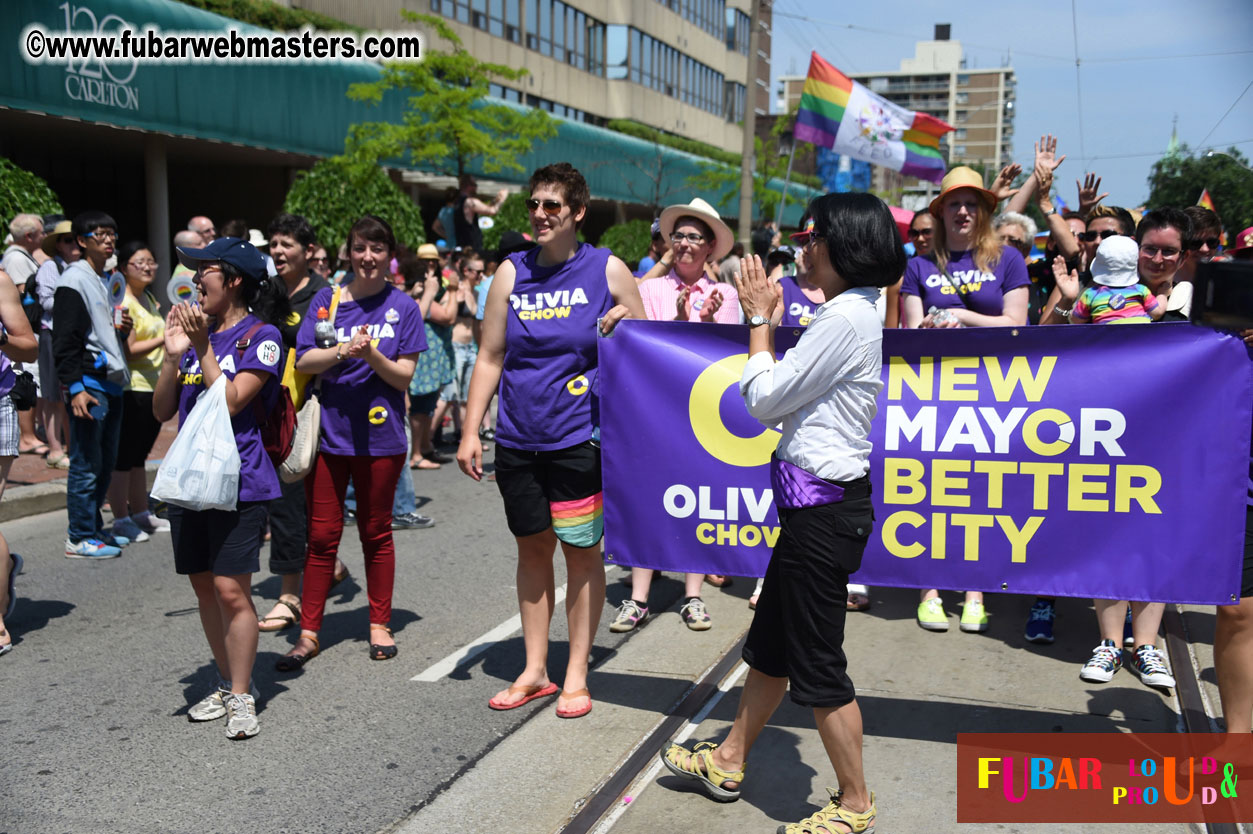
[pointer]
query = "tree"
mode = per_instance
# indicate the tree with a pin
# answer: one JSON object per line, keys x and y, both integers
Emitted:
{"x": 338, "y": 191}
{"x": 724, "y": 180}
{"x": 1178, "y": 179}
{"x": 22, "y": 192}
{"x": 447, "y": 125}
{"x": 511, "y": 216}
{"x": 629, "y": 240}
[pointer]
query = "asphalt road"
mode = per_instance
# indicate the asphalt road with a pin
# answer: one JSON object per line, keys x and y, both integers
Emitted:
{"x": 108, "y": 656}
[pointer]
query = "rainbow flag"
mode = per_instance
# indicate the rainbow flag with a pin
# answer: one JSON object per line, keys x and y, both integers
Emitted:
{"x": 838, "y": 113}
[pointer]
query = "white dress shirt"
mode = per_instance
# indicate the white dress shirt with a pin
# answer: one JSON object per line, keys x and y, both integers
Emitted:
{"x": 823, "y": 390}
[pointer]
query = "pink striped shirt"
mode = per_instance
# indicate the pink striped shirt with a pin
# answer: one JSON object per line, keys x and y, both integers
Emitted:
{"x": 660, "y": 296}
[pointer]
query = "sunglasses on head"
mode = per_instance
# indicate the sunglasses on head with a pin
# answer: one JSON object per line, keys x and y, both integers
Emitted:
{"x": 1211, "y": 242}
{"x": 1088, "y": 237}
{"x": 550, "y": 206}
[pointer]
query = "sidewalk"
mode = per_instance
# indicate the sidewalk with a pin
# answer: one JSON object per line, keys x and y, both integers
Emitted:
{"x": 35, "y": 488}
{"x": 916, "y": 690}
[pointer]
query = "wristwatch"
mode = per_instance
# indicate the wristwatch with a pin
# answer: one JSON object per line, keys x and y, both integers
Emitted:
{"x": 1051, "y": 212}
{"x": 757, "y": 321}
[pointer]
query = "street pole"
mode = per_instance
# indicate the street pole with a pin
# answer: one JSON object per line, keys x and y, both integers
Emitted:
{"x": 747, "y": 160}
{"x": 778, "y": 223}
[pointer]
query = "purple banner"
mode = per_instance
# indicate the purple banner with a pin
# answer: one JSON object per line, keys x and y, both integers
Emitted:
{"x": 1085, "y": 461}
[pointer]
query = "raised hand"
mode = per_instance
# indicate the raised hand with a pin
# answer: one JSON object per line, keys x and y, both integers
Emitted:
{"x": 682, "y": 306}
{"x": 1067, "y": 280}
{"x": 360, "y": 346}
{"x": 176, "y": 341}
{"x": 1046, "y": 154}
{"x": 711, "y": 306}
{"x": 1088, "y": 197}
{"x": 758, "y": 296}
{"x": 1003, "y": 185}
{"x": 194, "y": 323}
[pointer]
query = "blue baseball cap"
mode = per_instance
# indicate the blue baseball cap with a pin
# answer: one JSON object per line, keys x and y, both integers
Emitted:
{"x": 229, "y": 250}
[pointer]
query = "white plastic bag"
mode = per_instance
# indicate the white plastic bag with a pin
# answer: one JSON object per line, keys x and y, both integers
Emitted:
{"x": 201, "y": 469}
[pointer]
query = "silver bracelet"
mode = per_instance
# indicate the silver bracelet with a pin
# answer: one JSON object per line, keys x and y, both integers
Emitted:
{"x": 1063, "y": 313}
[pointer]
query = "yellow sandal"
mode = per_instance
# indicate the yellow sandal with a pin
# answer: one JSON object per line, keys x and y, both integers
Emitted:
{"x": 827, "y": 820}
{"x": 698, "y": 765}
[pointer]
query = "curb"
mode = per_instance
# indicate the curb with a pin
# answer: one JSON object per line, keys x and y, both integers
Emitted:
{"x": 33, "y": 499}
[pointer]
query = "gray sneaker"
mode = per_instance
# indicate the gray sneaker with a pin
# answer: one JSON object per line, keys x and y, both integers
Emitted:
{"x": 243, "y": 717}
{"x": 214, "y": 704}
{"x": 412, "y": 521}
{"x": 630, "y": 614}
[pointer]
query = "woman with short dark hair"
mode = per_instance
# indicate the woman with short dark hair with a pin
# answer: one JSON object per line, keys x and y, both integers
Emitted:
{"x": 540, "y": 326}
{"x": 823, "y": 393}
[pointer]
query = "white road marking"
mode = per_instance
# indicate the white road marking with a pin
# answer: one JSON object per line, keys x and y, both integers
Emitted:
{"x": 472, "y": 650}
{"x": 637, "y": 787}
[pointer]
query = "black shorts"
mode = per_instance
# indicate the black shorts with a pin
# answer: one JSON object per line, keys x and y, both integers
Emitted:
{"x": 798, "y": 630}
{"x": 1246, "y": 575}
{"x": 139, "y": 431}
{"x": 559, "y": 489}
{"x": 226, "y": 543}
{"x": 423, "y": 404}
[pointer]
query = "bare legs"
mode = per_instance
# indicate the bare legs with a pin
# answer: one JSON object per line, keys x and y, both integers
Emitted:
{"x": 1233, "y": 662}
{"x": 585, "y": 595}
{"x": 1146, "y": 619}
{"x": 642, "y": 580}
{"x": 230, "y": 624}
{"x": 839, "y": 727}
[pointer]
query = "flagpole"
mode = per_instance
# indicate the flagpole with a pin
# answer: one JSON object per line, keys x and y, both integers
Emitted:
{"x": 778, "y": 223}
{"x": 747, "y": 161}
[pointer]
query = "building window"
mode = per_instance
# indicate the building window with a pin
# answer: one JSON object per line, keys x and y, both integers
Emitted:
{"x": 734, "y": 97}
{"x": 616, "y": 52}
{"x": 737, "y": 30}
{"x": 960, "y": 133}
{"x": 709, "y": 15}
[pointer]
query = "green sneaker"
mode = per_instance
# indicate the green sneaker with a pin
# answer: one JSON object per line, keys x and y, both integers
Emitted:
{"x": 974, "y": 617}
{"x": 931, "y": 615}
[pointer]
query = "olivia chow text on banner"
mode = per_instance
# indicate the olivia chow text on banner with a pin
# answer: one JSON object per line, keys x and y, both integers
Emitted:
{"x": 1105, "y": 462}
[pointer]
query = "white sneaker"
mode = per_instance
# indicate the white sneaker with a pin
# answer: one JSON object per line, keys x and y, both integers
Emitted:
{"x": 243, "y": 717}
{"x": 214, "y": 704}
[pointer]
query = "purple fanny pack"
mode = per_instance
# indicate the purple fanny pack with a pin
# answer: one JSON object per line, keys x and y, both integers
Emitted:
{"x": 795, "y": 488}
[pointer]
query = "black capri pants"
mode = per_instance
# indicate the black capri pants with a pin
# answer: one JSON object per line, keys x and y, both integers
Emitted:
{"x": 798, "y": 630}
{"x": 139, "y": 430}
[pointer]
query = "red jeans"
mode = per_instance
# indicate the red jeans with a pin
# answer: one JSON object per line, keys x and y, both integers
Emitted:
{"x": 375, "y": 481}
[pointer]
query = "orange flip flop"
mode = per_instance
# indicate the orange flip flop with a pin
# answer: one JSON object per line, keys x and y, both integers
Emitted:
{"x": 578, "y": 713}
{"x": 531, "y": 693}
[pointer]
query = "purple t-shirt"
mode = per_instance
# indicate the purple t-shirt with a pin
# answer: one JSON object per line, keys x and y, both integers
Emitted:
{"x": 548, "y": 394}
{"x": 984, "y": 292}
{"x": 362, "y": 414}
{"x": 798, "y": 310}
{"x": 8, "y": 377}
{"x": 264, "y": 353}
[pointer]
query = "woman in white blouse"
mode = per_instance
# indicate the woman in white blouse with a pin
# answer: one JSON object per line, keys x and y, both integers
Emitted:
{"x": 823, "y": 394}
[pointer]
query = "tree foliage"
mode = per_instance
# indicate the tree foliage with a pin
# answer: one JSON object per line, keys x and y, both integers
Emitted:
{"x": 447, "y": 124}
{"x": 1179, "y": 178}
{"x": 723, "y": 181}
{"x": 629, "y": 240}
{"x": 22, "y": 192}
{"x": 338, "y": 191}
{"x": 511, "y": 215}
{"x": 270, "y": 15}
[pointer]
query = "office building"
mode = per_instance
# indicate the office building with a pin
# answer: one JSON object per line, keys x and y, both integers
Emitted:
{"x": 676, "y": 65}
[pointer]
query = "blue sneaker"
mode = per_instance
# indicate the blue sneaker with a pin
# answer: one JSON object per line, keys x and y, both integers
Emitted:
{"x": 127, "y": 529}
{"x": 1040, "y": 622}
{"x": 113, "y": 540}
{"x": 90, "y": 549}
{"x": 1127, "y": 639}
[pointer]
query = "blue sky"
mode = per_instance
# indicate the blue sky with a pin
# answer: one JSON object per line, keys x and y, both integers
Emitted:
{"x": 1133, "y": 82}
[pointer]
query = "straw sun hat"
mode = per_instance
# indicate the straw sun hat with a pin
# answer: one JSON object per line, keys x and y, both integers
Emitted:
{"x": 963, "y": 177}
{"x": 698, "y": 208}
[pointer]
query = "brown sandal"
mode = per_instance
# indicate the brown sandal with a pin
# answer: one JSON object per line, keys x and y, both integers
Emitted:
{"x": 284, "y": 621}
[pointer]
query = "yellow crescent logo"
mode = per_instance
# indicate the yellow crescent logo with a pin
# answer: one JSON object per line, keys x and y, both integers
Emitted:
{"x": 577, "y": 386}
{"x": 378, "y": 415}
{"x": 707, "y": 423}
{"x": 293, "y": 318}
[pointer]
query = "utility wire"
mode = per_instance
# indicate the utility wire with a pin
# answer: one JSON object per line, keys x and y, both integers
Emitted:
{"x": 1158, "y": 153}
{"x": 1225, "y": 115}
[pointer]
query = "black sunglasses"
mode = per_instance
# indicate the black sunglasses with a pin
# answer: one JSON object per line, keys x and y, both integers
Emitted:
{"x": 921, "y": 232}
{"x": 550, "y": 206}
{"x": 1088, "y": 237}
{"x": 1211, "y": 242}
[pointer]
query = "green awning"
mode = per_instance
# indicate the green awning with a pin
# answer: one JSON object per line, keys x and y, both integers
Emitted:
{"x": 298, "y": 108}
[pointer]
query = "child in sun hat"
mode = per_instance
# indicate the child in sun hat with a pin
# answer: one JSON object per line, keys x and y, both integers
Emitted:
{"x": 1118, "y": 297}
